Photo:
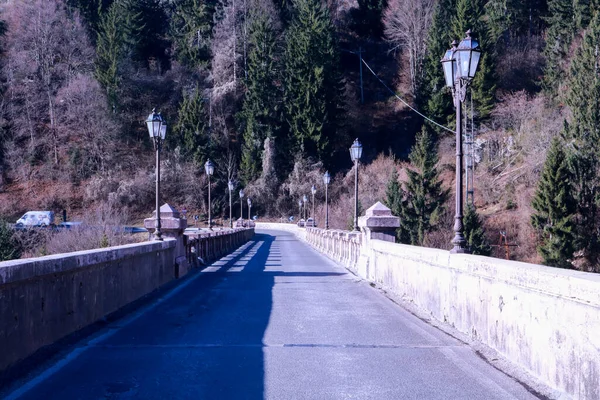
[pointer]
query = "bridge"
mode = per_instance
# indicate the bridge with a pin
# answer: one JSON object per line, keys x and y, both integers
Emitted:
{"x": 280, "y": 312}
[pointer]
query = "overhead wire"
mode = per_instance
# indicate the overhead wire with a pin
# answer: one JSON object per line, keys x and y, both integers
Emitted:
{"x": 405, "y": 103}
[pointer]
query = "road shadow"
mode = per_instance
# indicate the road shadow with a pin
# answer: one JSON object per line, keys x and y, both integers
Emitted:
{"x": 203, "y": 340}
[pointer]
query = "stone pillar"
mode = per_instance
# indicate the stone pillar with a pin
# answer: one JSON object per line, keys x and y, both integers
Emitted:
{"x": 379, "y": 223}
{"x": 172, "y": 228}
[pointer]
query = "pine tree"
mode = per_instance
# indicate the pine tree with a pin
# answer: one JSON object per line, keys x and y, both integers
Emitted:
{"x": 91, "y": 11}
{"x": 110, "y": 53}
{"x": 560, "y": 33}
{"x": 477, "y": 242}
{"x": 191, "y": 27}
{"x": 555, "y": 209}
{"x": 470, "y": 15}
{"x": 9, "y": 247}
{"x": 435, "y": 98}
{"x": 394, "y": 194}
{"x": 424, "y": 194}
{"x": 367, "y": 17}
{"x": 190, "y": 130}
{"x": 260, "y": 113}
{"x": 583, "y": 98}
{"x": 312, "y": 81}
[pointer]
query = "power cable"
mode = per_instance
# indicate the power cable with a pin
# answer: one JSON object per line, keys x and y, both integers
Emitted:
{"x": 405, "y": 103}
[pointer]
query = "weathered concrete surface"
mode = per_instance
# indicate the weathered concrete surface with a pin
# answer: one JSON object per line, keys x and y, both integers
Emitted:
{"x": 274, "y": 320}
{"x": 44, "y": 299}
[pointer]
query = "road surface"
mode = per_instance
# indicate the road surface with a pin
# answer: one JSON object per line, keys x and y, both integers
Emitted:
{"x": 274, "y": 320}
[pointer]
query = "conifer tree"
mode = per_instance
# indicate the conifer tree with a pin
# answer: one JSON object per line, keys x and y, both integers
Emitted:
{"x": 191, "y": 27}
{"x": 435, "y": 99}
{"x": 583, "y": 98}
{"x": 555, "y": 209}
{"x": 312, "y": 81}
{"x": 474, "y": 233}
{"x": 110, "y": 53}
{"x": 367, "y": 17}
{"x": 190, "y": 130}
{"x": 393, "y": 194}
{"x": 470, "y": 15}
{"x": 91, "y": 11}
{"x": 261, "y": 112}
{"x": 424, "y": 194}
{"x": 560, "y": 33}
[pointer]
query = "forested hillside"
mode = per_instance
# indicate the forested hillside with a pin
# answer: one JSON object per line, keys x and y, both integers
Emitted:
{"x": 270, "y": 91}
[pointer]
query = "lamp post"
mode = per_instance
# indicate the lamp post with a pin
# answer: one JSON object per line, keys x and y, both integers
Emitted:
{"x": 355, "y": 153}
{"x": 249, "y": 208}
{"x": 304, "y": 201}
{"x": 210, "y": 169}
{"x": 460, "y": 64}
{"x": 326, "y": 180}
{"x": 157, "y": 128}
{"x": 230, "y": 187}
{"x": 242, "y": 206}
{"x": 299, "y": 209}
{"x": 313, "y": 190}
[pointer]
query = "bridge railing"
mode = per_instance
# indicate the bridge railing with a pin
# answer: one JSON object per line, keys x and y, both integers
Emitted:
{"x": 45, "y": 299}
{"x": 342, "y": 246}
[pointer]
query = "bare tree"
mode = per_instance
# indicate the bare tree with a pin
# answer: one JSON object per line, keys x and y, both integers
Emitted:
{"x": 406, "y": 25}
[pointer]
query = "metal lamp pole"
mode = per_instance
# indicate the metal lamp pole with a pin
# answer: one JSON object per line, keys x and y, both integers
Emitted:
{"x": 299, "y": 209}
{"x": 230, "y": 187}
{"x": 210, "y": 169}
{"x": 157, "y": 128}
{"x": 313, "y": 190}
{"x": 355, "y": 154}
{"x": 249, "y": 208}
{"x": 460, "y": 65}
{"x": 304, "y": 201}
{"x": 326, "y": 180}
{"x": 242, "y": 206}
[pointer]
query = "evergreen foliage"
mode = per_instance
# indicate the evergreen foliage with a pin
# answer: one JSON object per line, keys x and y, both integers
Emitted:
{"x": 91, "y": 11}
{"x": 470, "y": 15}
{"x": 109, "y": 54}
{"x": 560, "y": 33}
{"x": 191, "y": 26}
{"x": 261, "y": 107}
{"x": 555, "y": 209}
{"x": 367, "y": 17}
{"x": 9, "y": 247}
{"x": 394, "y": 194}
{"x": 424, "y": 194}
{"x": 312, "y": 80}
{"x": 190, "y": 131}
{"x": 435, "y": 98}
{"x": 474, "y": 233}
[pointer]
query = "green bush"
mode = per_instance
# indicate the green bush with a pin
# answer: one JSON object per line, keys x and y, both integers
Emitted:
{"x": 10, "y": 248}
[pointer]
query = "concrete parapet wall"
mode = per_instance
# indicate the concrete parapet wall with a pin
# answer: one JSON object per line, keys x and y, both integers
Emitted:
{"x": 544, "y": 319}
{"x": 45, "y": 299}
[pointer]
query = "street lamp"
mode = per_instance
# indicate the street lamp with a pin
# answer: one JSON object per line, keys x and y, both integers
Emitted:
{"x": 326, "y": 181}
{"x": 304, "y": 201}
{"x": 249, "y": 208}
{"x": 242, "y": 206}
{"x": 299, "y": 209}
{"x": 313, "y": 190}
{"x": 230, "y": 186}
{"x": 460, "y": 64}
{"x": 157, "y": 128}
{"x": 210, "y": 169}
{"x": 355, "y": 153}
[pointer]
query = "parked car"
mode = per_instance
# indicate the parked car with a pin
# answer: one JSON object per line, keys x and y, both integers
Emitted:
{"x": 36, "y": 218}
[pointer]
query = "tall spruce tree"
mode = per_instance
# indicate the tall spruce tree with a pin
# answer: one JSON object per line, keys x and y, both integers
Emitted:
{"x": 190, "y": 131}
{"x": 474, "y": 233}
{"x": 190, "y": 30}
{"x": 394, "y": 194}
{"x": 470, "y": 15}
{"x": 560, "y": 33}
{"x": 583, "y": 98}
{"x": 555, "y": 208}
{"x": 435, "y": 99}
{"x": 109, "y": 54}
{"x": 312, "y": 79}
{"x": 424, "y": 194}
{"x": 261, "y": 107}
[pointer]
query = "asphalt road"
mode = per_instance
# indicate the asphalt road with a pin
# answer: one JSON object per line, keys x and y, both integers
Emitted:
{"x": 274, "y": 320}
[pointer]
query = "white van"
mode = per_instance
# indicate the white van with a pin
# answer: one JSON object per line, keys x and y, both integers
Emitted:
{"x": 36, "y": 218}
